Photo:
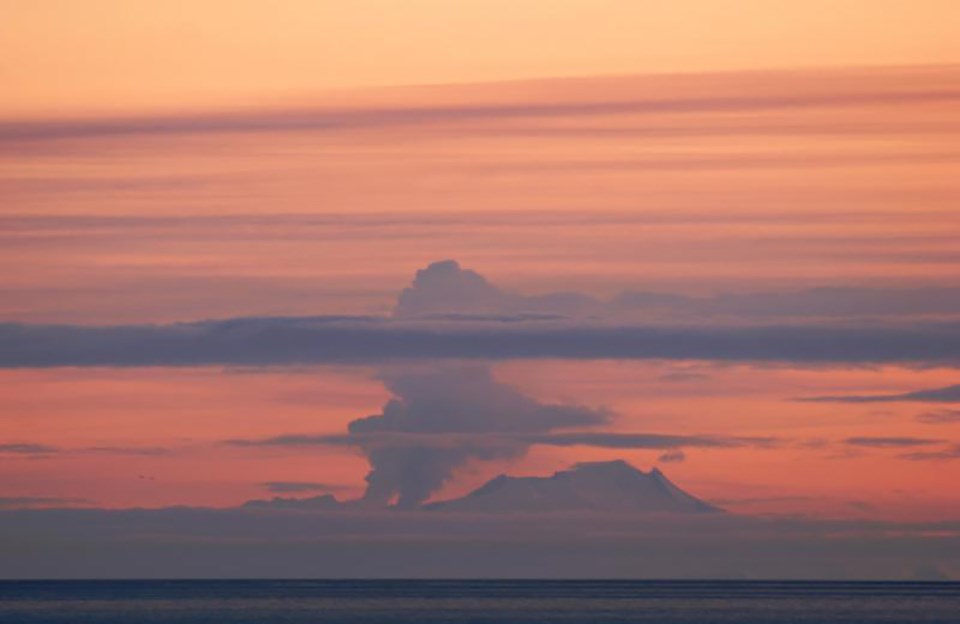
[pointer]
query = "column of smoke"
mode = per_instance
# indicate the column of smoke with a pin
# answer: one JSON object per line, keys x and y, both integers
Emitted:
{"x": 450, "y": 416}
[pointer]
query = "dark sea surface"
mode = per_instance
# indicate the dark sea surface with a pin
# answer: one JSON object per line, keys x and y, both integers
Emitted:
{"x": 424, "y": 602}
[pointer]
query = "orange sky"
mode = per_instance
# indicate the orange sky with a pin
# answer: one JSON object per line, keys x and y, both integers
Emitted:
{"x": 60, "y": 57}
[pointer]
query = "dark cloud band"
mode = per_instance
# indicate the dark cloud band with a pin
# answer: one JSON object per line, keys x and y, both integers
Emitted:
{"x": 279, "y": 341}
{"x": 949, "y": 394}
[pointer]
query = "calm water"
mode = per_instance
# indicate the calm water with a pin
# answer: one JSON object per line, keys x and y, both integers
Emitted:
{"x": 423, "y": 602}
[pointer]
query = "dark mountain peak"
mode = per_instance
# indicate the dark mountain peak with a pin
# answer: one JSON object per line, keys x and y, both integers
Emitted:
{"x": 612, "y": 486}
{"x": 616, "y": 467}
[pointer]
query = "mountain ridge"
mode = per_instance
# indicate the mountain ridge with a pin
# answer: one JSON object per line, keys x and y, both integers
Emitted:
{"x": 614, "y": 486}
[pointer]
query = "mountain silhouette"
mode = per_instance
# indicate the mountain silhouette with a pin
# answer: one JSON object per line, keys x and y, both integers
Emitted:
{"x": 613, "y": 486}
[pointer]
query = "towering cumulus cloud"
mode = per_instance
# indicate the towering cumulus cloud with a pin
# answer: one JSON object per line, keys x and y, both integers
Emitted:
{"x": 439, "y": 419}
{"x": 444, "y": 287}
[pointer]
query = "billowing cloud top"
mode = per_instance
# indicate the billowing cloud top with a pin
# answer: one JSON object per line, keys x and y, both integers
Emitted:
{"x": 444, "y": 287}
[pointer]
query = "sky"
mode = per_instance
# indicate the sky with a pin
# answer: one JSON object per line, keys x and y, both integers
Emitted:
{"x": 65, "y": 58}
{"x": 388, "y": 251}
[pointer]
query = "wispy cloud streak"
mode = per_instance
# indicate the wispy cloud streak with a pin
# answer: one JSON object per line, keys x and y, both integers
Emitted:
{"x": 949, "y": 394}
{"x": 330, "y": 118}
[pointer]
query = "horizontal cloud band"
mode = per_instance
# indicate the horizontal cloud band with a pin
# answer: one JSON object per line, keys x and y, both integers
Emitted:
{"x": 452, "y": 440}
{"x": 295, "y": 340}
{"x": 320, "y": 119}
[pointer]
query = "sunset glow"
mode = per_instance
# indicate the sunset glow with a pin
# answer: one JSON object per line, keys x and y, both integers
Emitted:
{"x": 731, "y": 228}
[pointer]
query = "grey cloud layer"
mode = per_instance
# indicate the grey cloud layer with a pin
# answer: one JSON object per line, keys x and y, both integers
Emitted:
{"x": 33, "y": 449}
{"x": 454, "y": 313}
{"x": 890, "y": 442}
{"x": 945, "y": 454}
{"x": 292, "y": 543}
{"x": 949, "y": 394}
{"x": 292, "y": 487}
{"x": 278, "y": 341}
{"x": 27, "y": 448}
{"x": 23, "y": 502}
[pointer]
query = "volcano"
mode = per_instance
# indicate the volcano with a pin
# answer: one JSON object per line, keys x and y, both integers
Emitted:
{"x": 614, "y": 486}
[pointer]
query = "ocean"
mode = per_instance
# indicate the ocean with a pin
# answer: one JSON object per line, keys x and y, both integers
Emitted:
{"x": 476, "y": 602}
